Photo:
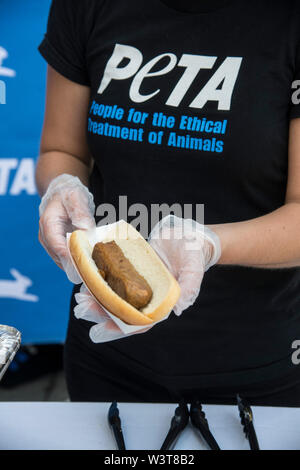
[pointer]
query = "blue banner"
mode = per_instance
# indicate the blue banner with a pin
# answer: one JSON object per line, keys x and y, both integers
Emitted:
{"x": 34, "y": 292}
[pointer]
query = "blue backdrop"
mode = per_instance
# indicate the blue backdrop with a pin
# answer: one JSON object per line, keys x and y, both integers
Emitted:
{"x": 34, "y": 292}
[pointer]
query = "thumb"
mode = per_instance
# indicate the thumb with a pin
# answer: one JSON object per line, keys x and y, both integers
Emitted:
{"x": 190, "y": 283}
{"x": 80, "y": 207}
{"x": 69, "y": 269}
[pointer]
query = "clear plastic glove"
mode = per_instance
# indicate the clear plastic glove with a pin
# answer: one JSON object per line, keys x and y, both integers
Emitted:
{"x": 188, "y": 249}
{"x": 105, "y": 328}
{"x": 67, "y": 205}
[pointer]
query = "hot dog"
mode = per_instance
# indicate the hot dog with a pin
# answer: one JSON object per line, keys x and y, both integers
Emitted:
{"x": 125, "y": 275}
{"x": 121, "y": 275}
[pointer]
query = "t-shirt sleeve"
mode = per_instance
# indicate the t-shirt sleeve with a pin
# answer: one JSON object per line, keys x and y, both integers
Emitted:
{"x": 64, "y": 44}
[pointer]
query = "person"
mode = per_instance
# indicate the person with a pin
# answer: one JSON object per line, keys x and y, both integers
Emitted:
{"x": 181, "y": 102}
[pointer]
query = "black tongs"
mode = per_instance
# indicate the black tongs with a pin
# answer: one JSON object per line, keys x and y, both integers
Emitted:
{"x": 200, "y": 422}
{"x": 247, "y": 422}
{"x": 115, "y": 423}
{"x": 178, "y": 423}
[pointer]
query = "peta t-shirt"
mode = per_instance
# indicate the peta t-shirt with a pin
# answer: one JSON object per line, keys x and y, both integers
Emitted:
{"x": 190, "y": 105}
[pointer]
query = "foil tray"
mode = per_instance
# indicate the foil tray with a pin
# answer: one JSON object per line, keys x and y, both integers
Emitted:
{"x": 10, "y": 340}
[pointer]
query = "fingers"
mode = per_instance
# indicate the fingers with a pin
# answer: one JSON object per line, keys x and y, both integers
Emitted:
{"x": 105, "y": 328}
{"x": 190, "y": 277}
{"x": 144, "y": 330}
{"x": 190, "y": 283}
{"x": 79, "y": 207}
{"x": 60, "y": 217}
{"x": 164, "y": 253}
{"x": 109, "y": 331}
{"x": 102, "y": 333}
{"x": 69, "y": 269}
{"x": 52, "y": 228}
{"x": 185, "y": 260}
{"x": 66, "y": 204}
{"x": 87, "y": 307}
{"x": 58, "y": 263}
{"x": 53, "y": 225}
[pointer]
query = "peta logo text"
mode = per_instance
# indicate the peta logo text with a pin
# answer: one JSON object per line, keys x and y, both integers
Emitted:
{"x": 17, "y": 176}
{"x": 219, "y": 87}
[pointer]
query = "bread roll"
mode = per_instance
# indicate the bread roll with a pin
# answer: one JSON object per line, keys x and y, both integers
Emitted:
{"x": 165, "y": 288}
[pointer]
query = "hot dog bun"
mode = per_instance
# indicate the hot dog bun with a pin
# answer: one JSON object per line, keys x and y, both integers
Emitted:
{"x": 165, "y": 288}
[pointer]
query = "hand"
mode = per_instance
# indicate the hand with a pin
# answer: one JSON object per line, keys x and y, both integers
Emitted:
{"x": 105, "y": 329}
{"x": 188, "y": 249}
{"x": 67, "y": 205}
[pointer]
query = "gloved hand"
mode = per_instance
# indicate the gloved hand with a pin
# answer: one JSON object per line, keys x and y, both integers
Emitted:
{"x": 105, "y": 328}
{"x": 188, "y": 249}
{"x": 67, "y": 205}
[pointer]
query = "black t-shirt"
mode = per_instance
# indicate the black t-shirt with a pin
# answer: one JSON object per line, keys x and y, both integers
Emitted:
{"x": 192, "y": 106}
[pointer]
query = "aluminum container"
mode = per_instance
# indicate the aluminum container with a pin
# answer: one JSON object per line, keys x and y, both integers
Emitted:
{"x": 10, "y": 340}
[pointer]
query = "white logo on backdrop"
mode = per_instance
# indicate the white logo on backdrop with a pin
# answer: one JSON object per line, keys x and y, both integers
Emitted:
{"x": 18, "y": 181}
{"x": 4, "y": 71}
{"x": 17, "y": 287}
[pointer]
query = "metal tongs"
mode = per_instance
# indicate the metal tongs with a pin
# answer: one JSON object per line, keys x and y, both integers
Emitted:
{"x": 200, "y": 422}
{"x": 115, "y": 423}
{"x": 247, "y": 422}
{"x": 178, "y": 423}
